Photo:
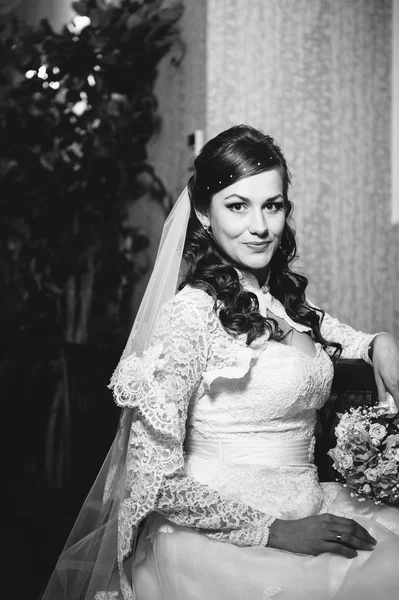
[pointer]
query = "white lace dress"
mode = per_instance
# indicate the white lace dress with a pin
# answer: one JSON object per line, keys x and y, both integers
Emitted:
{"x": 224, "y": 445}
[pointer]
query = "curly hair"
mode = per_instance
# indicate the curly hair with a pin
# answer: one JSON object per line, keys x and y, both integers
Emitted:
{"x": 234, "y": 154}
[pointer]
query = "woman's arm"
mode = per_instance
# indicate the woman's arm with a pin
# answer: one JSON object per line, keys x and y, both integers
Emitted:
{"x": 380, "y": 350}
{"x": 186, "y": 502}
{"x": 355, "y": 344}
{"x": 159, "y": 386}
{"x": 384, "y": 354}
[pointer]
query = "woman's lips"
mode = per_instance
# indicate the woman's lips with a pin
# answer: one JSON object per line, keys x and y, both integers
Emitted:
{"x": 258, "y": 245}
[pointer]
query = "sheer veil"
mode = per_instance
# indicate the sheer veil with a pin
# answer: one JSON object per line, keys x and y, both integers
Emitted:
{"x": 92, "y": 560}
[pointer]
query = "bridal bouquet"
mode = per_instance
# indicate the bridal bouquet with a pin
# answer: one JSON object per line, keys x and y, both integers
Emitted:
{"x": 367, "y": 453}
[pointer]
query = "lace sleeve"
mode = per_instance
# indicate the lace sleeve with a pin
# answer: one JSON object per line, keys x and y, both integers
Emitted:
{"x": 159, "y": 386}
{"x": 354, "y": 343}
{"x": 187, "y": 502}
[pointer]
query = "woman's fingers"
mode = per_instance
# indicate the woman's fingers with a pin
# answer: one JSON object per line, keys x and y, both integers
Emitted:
{"x": 348, "y": 532}
{"x": 346, "y": 539}
{"x": 341, "y": 550}
{"x": 353, "y": 530}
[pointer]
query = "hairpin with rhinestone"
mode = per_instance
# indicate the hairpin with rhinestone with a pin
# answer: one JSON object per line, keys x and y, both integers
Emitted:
{"x": 208, "y": 187}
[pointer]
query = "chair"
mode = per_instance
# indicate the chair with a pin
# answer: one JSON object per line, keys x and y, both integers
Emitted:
{"x": 353, "y": 385}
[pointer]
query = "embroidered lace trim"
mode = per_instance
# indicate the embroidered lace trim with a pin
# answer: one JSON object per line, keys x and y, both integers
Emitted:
{"x": 107, "y": 596}
{"x": 270, "y": 591}
{"x": 354, "y": 343}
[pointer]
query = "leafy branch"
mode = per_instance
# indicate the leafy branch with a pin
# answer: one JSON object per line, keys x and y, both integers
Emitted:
{"x": 77, "y": 109}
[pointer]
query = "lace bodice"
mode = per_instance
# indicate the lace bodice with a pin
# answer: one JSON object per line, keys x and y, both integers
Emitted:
{"x": 197, "y": 379}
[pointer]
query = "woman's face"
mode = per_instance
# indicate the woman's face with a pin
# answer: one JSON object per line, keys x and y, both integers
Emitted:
{"x": 247, "y": 221}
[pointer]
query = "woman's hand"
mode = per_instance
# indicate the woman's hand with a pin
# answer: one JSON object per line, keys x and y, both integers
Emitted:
{"x": 317, "y": 534}
{"x": 385, "y": 357}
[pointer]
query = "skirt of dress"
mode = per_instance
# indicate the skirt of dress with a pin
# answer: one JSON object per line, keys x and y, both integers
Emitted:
{"x": 178, "y": 563}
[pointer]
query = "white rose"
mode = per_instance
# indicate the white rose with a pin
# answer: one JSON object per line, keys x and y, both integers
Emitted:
{"x": 377, "y": 431}
{"x": 389, "y": 468}
{"x": 392, "y": 454}
{"x": 346, "y": 461}
{"x": 366, "y": 488}
{"x": 371, "y": 474}
{"x": 358, "y": 428}
{"x": 392, "y": 440}
{"x": 341, "y": 430}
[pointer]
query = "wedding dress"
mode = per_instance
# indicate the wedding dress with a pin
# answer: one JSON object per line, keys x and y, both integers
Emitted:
{"x": 222, "y": 446}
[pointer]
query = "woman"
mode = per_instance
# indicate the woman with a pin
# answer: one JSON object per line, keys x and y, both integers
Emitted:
{"x": 211, "y": 476}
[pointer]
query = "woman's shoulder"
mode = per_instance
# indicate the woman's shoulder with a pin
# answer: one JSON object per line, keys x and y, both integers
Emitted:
{"x": 190, "y": 303}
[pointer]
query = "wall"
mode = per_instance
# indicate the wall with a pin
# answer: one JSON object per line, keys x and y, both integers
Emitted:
{"x": 316, "y": 74}
{"x": 58, "y": 12}
{"x": 182, "y": 93}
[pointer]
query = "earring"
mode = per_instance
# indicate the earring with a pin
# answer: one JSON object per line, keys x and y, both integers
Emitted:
{"x": 206, "y": 227}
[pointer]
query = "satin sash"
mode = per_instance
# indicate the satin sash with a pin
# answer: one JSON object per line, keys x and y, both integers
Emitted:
{"x": 285, "y": 452}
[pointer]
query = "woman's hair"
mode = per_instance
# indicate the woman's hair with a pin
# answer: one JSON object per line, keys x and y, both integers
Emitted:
{"x": 234, "y": 154}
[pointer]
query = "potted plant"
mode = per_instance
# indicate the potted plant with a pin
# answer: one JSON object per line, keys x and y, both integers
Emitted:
{"x": 77, "y": 109}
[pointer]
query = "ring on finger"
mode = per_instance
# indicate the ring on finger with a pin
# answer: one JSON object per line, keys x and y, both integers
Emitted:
{"x": 339, "y": 537}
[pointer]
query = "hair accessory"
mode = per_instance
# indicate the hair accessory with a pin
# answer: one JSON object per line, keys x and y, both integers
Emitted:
{"x": 244, "y": 169}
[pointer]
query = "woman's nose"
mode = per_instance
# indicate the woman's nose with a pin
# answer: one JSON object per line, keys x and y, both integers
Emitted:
{"x": 258, "y": 224}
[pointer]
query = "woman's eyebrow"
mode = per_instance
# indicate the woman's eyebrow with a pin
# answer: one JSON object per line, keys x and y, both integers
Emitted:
{"x": 244, "y": 199}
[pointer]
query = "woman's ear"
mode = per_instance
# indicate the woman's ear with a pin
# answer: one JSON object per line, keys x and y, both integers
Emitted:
{"x": 203, "y": 219}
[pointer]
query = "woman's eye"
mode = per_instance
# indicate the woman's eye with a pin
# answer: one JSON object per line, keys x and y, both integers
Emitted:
{"x": 236, "y": 207}
{"x": 274, "y": 207}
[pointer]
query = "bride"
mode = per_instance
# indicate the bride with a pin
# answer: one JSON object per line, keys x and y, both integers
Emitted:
{"x": 210, "y": 490}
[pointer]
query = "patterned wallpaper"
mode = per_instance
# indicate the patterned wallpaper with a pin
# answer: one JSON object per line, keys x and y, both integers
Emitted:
{"x": 316, "y": 74}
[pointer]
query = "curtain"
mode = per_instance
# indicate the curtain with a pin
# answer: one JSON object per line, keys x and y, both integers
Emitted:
{"x": 316, "y": 74}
